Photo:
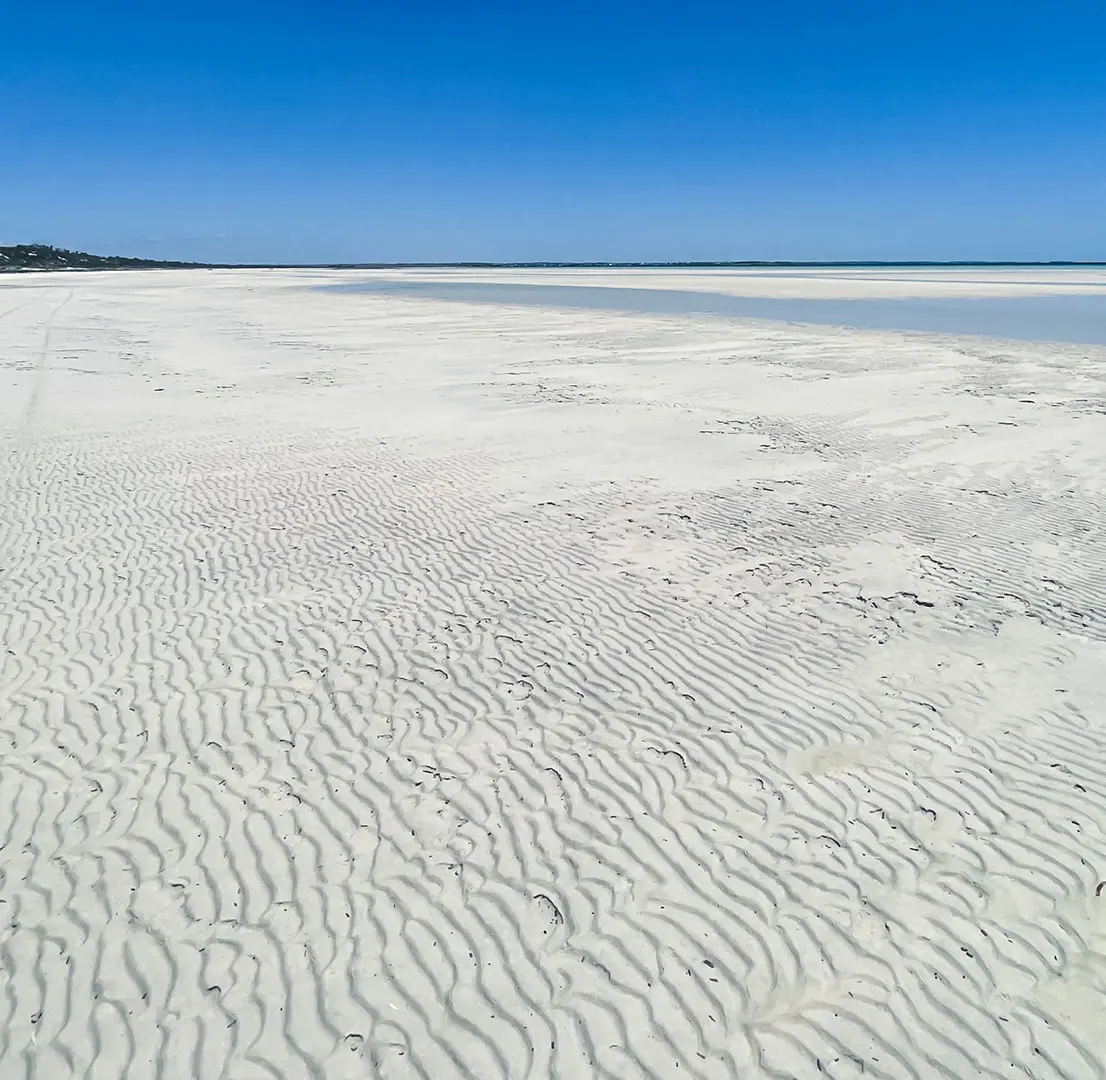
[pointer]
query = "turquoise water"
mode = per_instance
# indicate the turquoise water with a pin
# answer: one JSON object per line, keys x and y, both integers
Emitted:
{"x": 1076, "y": 318}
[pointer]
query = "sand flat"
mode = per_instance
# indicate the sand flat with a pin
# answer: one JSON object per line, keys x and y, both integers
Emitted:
{"x": 794, "y": 282}
{"x": 402, "y": 688}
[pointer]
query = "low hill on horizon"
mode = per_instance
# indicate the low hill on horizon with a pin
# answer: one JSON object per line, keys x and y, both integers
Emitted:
{"x": 47, "y": 257}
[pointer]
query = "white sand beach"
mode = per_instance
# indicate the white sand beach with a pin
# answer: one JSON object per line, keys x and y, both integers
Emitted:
{"x": 400, "y": 688}
{"x": 801, "y": 282}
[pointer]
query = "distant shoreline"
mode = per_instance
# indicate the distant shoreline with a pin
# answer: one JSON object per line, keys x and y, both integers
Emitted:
{"x": 38, "y": 258}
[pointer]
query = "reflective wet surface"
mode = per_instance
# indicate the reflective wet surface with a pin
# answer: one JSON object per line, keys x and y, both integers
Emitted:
{"x": 1077, "y": 318}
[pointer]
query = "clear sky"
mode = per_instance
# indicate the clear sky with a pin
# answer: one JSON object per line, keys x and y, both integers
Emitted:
{"x": 338, "y": 130}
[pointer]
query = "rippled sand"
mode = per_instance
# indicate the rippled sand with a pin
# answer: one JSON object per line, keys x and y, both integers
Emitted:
{"x": 398, "y": 688}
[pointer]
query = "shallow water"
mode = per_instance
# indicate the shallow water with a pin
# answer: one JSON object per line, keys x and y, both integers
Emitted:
{"x": 1076, "y": 318}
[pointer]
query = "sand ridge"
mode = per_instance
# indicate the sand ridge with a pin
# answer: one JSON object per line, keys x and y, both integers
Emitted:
{"x": 399, "y": 688}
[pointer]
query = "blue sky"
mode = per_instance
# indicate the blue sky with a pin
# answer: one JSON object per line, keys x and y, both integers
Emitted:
{"x": 346, "y": 131}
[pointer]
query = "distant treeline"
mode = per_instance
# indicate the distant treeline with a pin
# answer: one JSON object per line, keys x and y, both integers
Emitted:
{"x": 46, "y": 257}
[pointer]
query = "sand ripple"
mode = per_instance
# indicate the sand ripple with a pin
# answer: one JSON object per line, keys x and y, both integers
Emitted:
{"x": 402, "y": 722}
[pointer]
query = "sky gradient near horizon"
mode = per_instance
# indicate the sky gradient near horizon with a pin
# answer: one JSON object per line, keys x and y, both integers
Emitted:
{"x": 346, "y": 131}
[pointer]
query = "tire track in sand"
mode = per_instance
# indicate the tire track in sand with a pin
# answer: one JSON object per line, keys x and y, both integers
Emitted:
{"x": 30, "y": 409}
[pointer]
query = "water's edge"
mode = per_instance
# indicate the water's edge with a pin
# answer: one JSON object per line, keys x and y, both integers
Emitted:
{"x": 1075, "y": 318}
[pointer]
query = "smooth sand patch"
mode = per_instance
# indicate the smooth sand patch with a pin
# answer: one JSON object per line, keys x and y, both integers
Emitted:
{"x": 397, "y": 688}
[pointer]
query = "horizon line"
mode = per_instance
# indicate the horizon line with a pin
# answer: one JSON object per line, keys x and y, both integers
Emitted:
{"x": 552, "y": 263}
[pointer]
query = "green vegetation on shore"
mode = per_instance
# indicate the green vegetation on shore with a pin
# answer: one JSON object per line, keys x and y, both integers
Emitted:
{"x": 47, "y": 257}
